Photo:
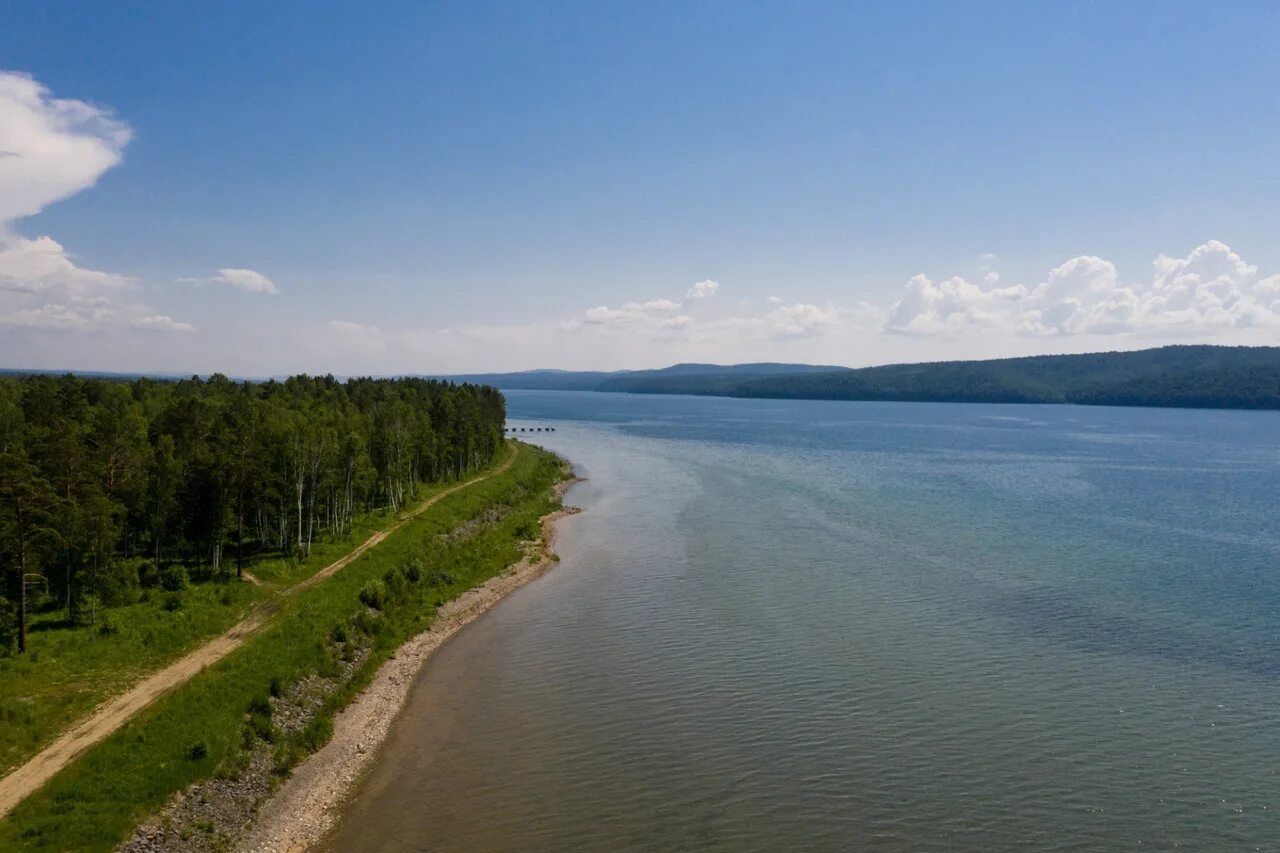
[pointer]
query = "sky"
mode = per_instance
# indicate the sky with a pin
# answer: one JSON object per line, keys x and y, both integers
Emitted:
{"x": 410, "y": 187}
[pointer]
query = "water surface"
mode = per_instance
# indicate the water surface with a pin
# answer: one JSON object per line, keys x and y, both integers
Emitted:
{"x": 823, "y": 625}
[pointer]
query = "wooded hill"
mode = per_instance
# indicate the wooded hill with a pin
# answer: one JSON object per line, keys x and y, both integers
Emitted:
{"x": 109, "y": 486}
{"x": 1184, "y": 376}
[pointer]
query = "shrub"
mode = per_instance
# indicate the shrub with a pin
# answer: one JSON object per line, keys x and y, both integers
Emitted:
{"x": 173, "y": 578}
{"x": 413, "y": 571}
{"x": 277, "y": 687}
{"x": 119, "y": 581}
{"x": 260, "y": 706}
{"x": 374, "y": 594}
{"x": 439, "y": 578}
{"x": 316, "y": 734}
{"x": 197, "y": 751}
{"x": 261, "y": 728}
{"x": 329, "y": 667}
{"x": 366, "y": 623}
{"x": 172, "y": 602}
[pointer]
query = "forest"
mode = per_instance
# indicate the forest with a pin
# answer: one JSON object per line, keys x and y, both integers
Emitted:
{"x": 1196, "y": 376}
{"x": 109, "y": 488}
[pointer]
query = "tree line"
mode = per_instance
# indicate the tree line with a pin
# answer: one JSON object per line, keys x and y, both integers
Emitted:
{"x": 1186, "y": 376}
{"x": 108, "y": 484}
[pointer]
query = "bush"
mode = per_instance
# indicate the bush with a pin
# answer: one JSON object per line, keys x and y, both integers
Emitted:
{"x": 366, "y": 623}
{"x": 197, "y": 752}
{"x": 119, "y": 582}
{"x": 374, "y": 594}
{"x": 172, "y": 602}
{"x": 261, "y": 728}
{"x": 277, "y": 688}
{"x": 173, "y": 578}
{"x": 413, "y": 571}
{"x": 439, "y": 578}
{"x": 330, "y": 667}
{"x": 260, "y": 720}
{"x": 260, "y": 706}
{"x": 317, "y": 733}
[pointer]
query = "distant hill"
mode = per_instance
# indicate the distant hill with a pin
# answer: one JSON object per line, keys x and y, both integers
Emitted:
{"x": 1182, "y": 376}
{"x": 698, "y": 375}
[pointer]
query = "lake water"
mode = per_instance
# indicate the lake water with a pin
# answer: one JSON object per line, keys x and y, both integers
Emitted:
{"x": 831, "y": 626}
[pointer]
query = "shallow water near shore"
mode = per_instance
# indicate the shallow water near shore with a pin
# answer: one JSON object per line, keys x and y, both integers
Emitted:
{"x": 823, "y": 625}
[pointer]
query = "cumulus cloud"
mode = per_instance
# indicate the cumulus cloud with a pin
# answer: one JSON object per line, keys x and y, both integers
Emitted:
{"x": 703, "y": 290}
{"x": 799, "y": 320}
{"x": 667, "y": 319}
{"x": 242, "y": 279}
{"x": 655, "y": 316}
{"x": 1209, "y": 291}
{"x": 50, "y": 149}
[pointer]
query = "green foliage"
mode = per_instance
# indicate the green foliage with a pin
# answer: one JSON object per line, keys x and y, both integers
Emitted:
{"x": 1185, "y": 376}
{"x": 95, "y": 802}
{"x": 443, "y": 579}
{"x": 119, "y": 497}
{"x": 120, "y": 581}
{"x": 317, "y": 733}
{"x": 71, "y": 669}
{"x": 107, "y": 486}
{"x": 260, "y": 706}
{"x": 374, "y": 594}
{"x": 174, "y": 578}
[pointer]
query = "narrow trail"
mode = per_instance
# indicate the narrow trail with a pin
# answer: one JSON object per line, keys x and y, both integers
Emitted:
{"x": 115, "y": 712}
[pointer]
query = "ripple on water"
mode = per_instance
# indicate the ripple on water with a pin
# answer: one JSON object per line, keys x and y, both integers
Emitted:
{"x": 843, "y": 626}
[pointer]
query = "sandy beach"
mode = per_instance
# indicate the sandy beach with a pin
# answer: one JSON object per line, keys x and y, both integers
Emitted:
{"x": 308, "y": 806}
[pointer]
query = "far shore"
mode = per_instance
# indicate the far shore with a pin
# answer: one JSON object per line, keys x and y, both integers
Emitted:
{"x": 308, "y": 807}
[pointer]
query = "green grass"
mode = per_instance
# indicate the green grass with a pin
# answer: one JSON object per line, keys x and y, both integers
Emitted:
{"x": 186, "y": 735}
{"x": 70, "y": 670}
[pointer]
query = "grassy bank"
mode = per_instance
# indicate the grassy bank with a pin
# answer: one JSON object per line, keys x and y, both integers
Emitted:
{"x": 71, "y": 669}
{"x": 363, "y": 613}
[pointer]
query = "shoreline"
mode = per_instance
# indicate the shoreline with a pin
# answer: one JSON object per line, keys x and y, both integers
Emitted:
{"x": 307, "y": 807}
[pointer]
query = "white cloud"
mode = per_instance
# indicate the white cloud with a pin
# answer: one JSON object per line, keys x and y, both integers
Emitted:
{"x": 1209, "y": 291}
{"x": 42, "y": 265}
{"x": 987, "y": 265}
{"x": 50, "y": 149}
{"x": 703, "y": 290}
{"x": 243, "y": 279}
{"x": 657, "y": 316}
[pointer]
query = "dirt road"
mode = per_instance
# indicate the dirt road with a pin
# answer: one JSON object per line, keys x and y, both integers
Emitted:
{"x": 113, "y": 713}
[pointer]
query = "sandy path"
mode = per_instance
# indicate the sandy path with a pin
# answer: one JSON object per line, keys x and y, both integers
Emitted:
{"x": 309, "y": 805}
{"x": 113, "y": 713}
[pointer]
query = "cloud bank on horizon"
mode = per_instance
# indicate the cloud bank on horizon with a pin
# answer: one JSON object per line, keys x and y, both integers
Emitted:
{"x": 53, "y": 148}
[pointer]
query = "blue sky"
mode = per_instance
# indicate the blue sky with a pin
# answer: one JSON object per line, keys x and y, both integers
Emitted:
{"x": 387, "y": 187}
